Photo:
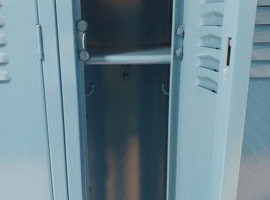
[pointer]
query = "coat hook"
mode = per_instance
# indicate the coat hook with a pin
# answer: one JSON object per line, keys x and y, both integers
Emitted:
{"x": 164, "y": 90}
{"x": 89, "y": 93}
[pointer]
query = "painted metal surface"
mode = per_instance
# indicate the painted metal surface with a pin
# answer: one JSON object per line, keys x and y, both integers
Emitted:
{"x": 127, "y": 119}
{"x": 24, "y": 156}
{"x": 254, "y": 177}
{"x": 213, "y": 96}
{"x": 261, "y": 48}
{"x": 72, "y": 81}
{"x": 233, "y": 82}
{"x": 198, "y": 98}
{"x": 175, "y": 74}
{"x": 53, "y": 96}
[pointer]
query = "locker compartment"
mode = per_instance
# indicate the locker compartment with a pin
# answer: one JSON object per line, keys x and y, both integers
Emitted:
{"x": 127, "y": 78}
{"x": 127, "y": 131}
{"x": 117, "y": 27}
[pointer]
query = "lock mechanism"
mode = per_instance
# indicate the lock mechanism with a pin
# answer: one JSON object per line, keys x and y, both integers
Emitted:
{"x": 82, "y": 26}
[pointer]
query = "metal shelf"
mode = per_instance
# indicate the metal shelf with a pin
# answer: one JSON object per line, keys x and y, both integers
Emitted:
{"x": 149, "y": 56}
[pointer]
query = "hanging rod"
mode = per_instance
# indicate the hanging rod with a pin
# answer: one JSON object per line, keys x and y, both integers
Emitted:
{"x": 150, "y": 56}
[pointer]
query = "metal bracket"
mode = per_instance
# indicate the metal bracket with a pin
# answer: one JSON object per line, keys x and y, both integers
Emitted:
{"x": 82, "y": 26}
{"x": 179, "y": 53}
{"x": 180, "y": 32}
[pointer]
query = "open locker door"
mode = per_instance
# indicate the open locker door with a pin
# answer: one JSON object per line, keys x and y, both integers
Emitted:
{"x": 213, "y": 94}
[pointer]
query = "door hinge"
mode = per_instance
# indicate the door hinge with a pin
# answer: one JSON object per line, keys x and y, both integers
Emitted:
{"x": 179, "y": 40}
{"x": 180, "y": 31}
{"x": 40, "y": 42}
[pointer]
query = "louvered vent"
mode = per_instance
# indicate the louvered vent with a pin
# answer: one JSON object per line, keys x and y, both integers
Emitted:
{"x": 260, "y": 66}
{"x": 4, "y": 75}
{"x": 211, "y": 22}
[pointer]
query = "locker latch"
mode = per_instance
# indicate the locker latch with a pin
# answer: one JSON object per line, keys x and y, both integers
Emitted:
{"x": 82, "y": 26}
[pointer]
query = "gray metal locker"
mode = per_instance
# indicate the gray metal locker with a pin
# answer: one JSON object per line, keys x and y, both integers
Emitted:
{"x": 131, "y": 99}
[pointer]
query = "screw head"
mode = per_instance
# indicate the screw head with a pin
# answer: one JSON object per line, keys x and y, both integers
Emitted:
{"x": 82, "y": 25}
{"x": 180, "y": 31}
{"x": 179, "y": 52}
{"x": 84, "y": 55}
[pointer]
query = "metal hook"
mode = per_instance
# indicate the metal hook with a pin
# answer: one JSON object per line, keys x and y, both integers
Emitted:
{"x": 164, "y": 90}
{"x": 93, "y": 86}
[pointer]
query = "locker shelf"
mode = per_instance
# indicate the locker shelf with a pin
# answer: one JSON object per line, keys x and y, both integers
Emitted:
{"x": 148, "y": 56}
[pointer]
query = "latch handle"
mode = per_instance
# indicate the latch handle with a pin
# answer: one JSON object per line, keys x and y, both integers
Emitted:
{"x": 82, "y": 26}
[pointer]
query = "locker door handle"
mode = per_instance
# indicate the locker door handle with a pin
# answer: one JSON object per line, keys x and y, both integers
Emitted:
{"x": 4, "y": 76}
{"x": 82, "y": 26}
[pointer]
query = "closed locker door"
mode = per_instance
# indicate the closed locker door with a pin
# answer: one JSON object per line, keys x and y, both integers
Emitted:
{"x": 24, "y": 154}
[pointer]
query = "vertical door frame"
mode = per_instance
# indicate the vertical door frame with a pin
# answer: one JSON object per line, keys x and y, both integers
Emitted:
{"x": 174, "y": 92}
{"x": 72, "y": 81}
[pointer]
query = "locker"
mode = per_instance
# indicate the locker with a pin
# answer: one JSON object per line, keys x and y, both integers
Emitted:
{"x": 141, "y": 99}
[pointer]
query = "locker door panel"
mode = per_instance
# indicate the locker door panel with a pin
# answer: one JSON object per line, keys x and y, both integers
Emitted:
{"x": 24, "y": 157}
{"x": 198, "y": 96}
{"x": 213, "y": 89}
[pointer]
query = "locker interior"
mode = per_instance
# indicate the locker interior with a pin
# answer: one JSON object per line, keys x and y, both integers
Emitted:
{"x": 127, "y": 80}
